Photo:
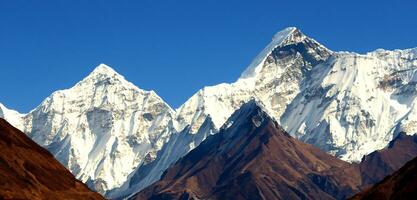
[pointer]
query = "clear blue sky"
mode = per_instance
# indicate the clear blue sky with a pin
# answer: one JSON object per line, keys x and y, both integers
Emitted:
{"x": 174, "y": 47}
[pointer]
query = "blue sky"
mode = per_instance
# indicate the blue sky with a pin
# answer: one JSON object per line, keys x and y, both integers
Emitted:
{"x": 174, "y": 47}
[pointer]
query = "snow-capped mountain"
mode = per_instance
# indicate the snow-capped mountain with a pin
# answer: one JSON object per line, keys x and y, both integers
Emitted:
{"x": 102, "y": 128}
{"x": 116, "y": 137}
{"x": 342, "y": 102}
{"x": 345, "y": 103}
{"x": 272, "y": 78}
{"x": 222, "y": 100}
{"x": 350, "y": 106}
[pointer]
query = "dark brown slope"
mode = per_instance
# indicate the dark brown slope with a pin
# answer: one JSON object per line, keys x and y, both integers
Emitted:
{"x": 27, "y": 171}
{"x": 255, "y": 159}
{"x": 401, "y": 185}
{"x": 379, "y": 164}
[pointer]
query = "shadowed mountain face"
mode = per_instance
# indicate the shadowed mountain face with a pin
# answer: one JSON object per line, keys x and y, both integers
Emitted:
{"x": 400, "y": 185}
{"x": 253, "y": 158}
{"x": 27, "y": 171}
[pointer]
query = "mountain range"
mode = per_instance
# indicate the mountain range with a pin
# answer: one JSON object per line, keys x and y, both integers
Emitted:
{"x": 119, "y": 139}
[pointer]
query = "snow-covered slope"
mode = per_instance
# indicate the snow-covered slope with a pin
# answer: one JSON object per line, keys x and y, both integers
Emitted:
{"x": 344, "y": 107}
{"x": 102, "y": 128}
{"x": 178, "y": 145}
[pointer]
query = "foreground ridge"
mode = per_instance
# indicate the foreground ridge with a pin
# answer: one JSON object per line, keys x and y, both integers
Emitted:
{"x": 27, "y": 171}
{"x": 400, "y": 185}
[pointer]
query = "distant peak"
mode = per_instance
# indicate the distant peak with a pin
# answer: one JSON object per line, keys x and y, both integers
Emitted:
{"x": 289, "y": 35}
{"x": 285, "y": 33}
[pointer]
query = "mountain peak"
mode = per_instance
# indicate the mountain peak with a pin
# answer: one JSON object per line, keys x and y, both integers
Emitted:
{"x": 104, "y": 69}
{"x": 105, "y": 74}
{"x": 284, "y": 33}
{"x": 252, "y": 105}
{"x": 246, "y": 111}
{"x": 289, "y": 35}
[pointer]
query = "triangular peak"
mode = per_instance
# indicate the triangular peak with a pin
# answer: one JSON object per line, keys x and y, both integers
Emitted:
{"x": 287, "y": 36}
{"x": 246, "y": 112}
{"x": 105, "y": 74}
{"x": 104, "y": 70}
{"x": 106, "y": 78}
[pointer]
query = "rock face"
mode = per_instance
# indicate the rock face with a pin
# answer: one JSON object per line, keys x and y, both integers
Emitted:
{"x": 252, "y": 157}
{"x": 27, "y": 171}
{"x": 400, "y": 185}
